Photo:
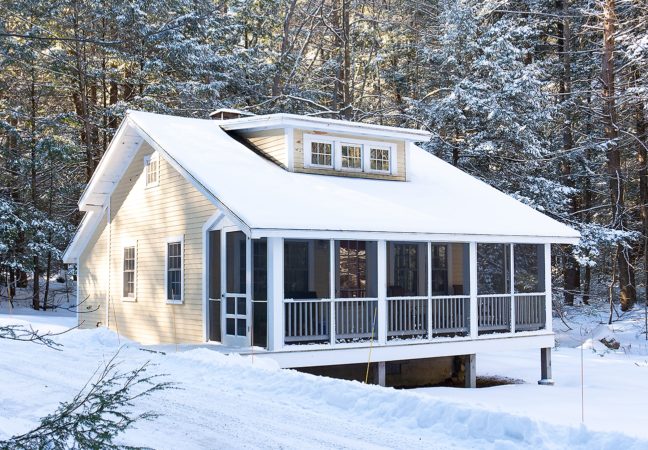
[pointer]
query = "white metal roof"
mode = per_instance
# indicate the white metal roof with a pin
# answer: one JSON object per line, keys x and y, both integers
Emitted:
{"x": 437, "y": 201}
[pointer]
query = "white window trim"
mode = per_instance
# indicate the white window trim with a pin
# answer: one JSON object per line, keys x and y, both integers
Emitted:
{"x": 366, "y": 145}
{"x": 380, "y": 146}
{"x": 170, "y": 240}
{"x": 125, "y": 245}
{"x": 308, "y": 140}
{"x": 338, "y": 154}
{"x": 147, "y": 160}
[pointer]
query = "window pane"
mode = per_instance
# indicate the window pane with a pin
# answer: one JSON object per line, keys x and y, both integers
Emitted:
{"x": 240, "y": 306}
{"x": 174, "y": 271}
{"x": 241, "y": 324}
{"x": 493, "y": 269}
{"x": 529, "y": 267}
{"x": 321, "y": 153}
{"x": 379, "y": 159}
{"x": 129, "y": 272}
{"x": 351, "y": 156}
{"x": 357, "y": 269}
{"x": 407, "y": 269}
{"x": 260, "y": 269}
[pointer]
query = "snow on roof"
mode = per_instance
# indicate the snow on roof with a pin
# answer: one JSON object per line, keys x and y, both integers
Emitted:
{"x": 437, "y": 198}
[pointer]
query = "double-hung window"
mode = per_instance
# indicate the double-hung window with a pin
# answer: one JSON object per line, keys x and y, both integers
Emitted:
{"x": 174, "y": 270}
{"x": 151, "y": 170}
{"x": 128, "y": 269}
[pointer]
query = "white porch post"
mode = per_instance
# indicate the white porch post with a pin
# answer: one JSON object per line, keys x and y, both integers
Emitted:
{"x": 474, "y": 307}
{"x": 275, "y": 293}
{"x": 382, "y": 292}
{"x": 332, "y": 275}
{"x": 512, "y": 285}
{"x": 547, "y": 282}
{"x": 248, "y": 288}
{"x": 429, "y": 290}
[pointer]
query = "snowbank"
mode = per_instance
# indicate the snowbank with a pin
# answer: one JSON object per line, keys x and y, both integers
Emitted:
{"x": 229, "y": 401}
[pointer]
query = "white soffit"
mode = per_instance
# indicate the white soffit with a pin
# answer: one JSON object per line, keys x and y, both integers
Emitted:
{"x": 273, "y": 121}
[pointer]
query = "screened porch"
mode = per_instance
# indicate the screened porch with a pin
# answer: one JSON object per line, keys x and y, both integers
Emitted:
{"x": 330, "y": 292}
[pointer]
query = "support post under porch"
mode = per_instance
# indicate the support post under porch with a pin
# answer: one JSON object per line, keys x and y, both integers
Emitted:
{"x": 470, "y": 371}
{"x": 545, "y": 367}
{"x": 381, "y": 373}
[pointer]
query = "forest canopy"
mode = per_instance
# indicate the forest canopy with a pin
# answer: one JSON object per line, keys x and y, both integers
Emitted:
{"x": 544, "y": 100}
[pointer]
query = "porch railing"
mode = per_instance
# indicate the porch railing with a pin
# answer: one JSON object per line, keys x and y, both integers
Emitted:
{"x": 530, "y": 312}
{"x": 407, "y": 318}
{"x": 451, "y": 315}
{"x": 307, "y": 321}
{"x": 356, "y": 319}
{"x": 494, "y": 313}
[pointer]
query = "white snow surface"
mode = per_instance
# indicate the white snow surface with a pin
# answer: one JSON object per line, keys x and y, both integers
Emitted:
{"x": 439, "y": 198}
{"x": 229, "y": 401}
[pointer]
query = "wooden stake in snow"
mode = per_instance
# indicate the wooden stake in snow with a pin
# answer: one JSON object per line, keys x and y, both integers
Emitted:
{"x": 373, "y": 327}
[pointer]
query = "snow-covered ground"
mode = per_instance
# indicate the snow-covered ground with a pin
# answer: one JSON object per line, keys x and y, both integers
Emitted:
{"x": 235, "y": 402}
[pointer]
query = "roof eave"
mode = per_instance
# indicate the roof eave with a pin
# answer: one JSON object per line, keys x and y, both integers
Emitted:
{"x": 316, "y": 123}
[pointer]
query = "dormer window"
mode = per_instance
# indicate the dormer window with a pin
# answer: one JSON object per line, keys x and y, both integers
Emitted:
{"x": 349, "y": 155}
{"x": 151, "y": 170}
{"x": 319, "y": 152}
{"x": 379, "y": 159}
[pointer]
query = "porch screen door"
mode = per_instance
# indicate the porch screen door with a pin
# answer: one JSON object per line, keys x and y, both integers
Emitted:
{"x": 235, "y": 305}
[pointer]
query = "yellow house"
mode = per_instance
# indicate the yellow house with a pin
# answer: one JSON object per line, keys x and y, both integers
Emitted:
{"x": 309, "y": 241}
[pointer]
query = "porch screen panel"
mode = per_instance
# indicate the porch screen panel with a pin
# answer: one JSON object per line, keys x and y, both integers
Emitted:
{"x": 529, "y": 268}
{"x": 357, "y": 269}
{"x": 406, "y": 269}
{"x": 214, "y": 286}
{"x": 260, "y": 293}
{"x": 493, "y": 269}
{"x": 306, "y": 268}
{"x": 236, "y": 255}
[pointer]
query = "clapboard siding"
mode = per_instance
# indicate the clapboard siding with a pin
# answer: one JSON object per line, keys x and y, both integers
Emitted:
{"x": 299, "y": 157}
{"x": 148, "y": 217}
{"x": 93, "y": 278}
{"x": 271, "y": 142}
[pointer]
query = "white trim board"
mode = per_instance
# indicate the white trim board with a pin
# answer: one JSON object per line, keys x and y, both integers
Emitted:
{"x": 257, "y": 233}
{"x": 338, "y": 355}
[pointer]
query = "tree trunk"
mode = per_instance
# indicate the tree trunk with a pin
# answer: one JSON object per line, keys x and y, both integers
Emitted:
{"x": 642, "y": 156}
{"x": 613, "y": 154}
{"x": 571, "y": 268}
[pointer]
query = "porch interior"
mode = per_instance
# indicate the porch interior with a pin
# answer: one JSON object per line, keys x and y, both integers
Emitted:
{"x": 283, "y": 295}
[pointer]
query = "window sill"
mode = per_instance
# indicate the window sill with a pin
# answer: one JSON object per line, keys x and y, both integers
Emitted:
{"x": 174, "y": 302}
{"x": 129, "y": 299}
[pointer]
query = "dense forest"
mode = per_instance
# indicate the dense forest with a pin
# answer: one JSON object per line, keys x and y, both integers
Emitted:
{"x": 546, "y": 100}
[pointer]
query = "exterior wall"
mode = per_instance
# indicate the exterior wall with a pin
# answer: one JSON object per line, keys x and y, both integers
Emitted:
{"x": 93, "y": 278}
{"x": 147, "y": 217}
{"x": 271, "y": 142}
{"x": 299, "y": 157}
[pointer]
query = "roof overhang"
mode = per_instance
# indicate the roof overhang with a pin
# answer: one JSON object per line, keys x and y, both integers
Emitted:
{"x": 257, "y": 233}
{"x": 126, "y": 143}
{"x": 274, "y": 121}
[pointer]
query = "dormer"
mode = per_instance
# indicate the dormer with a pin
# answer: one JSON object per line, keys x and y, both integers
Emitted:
{"x": 327, "y": 146}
